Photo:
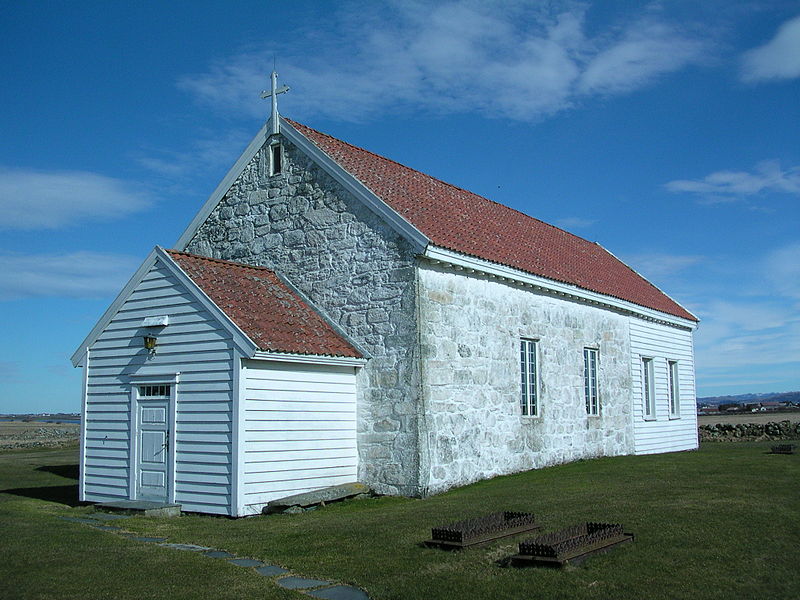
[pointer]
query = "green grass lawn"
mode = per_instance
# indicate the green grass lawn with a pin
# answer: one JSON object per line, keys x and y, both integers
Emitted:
{"x": 723, "y": 522}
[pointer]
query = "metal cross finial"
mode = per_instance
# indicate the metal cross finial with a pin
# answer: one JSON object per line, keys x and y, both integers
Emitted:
{"x": 273, "y": 93}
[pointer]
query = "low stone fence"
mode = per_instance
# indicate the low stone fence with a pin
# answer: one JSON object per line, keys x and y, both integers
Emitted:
{"x": 783, "y": 430}
{"x": 20, "y": 434}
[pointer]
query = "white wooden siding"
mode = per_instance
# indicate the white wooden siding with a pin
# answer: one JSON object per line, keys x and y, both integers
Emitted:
{"x": 299, "y": 430}
{"x": 193, "y": 344}
{"x": 663, "y": 343}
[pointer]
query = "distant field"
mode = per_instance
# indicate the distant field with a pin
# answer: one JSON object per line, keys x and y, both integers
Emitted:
{"x": 29, "y": 434}
{"x": 759, "y": 417}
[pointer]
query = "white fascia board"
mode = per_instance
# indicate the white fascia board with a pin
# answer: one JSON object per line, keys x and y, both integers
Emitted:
{"x": 78, "y": 357}
{"x": 213, "y": 200}
{"x": 414, "y": 236}
{"x": 315, "y": 359}
{"x": 240, "y": 339}
{"x": 471, "y": 263}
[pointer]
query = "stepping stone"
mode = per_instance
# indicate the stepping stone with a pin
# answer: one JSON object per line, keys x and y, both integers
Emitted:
{"x": 246, "y": 562}
{"x": 328, "y": 494}
{"x": 142, "y": 507}
{"x": 149, "y": 539}
{"x": 79, "y": 520}
{"x": 189, "y": 547}
{"x": 340, "y": 592}
{"x": 218, "y": 554}
{"x": 300, "y": 583}
{"x": 271, "y": 570}
{"x": 107, "y": 517}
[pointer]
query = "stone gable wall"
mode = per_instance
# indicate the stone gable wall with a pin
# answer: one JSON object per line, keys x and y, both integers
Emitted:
{"x": 470, "y": 329}
{"x": 308, "y": 228}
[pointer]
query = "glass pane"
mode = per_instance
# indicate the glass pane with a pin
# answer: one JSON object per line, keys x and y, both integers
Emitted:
{"x": 527, "y": 352}
{"x": 153, "y": 391}
{"x": 524, "y": 375}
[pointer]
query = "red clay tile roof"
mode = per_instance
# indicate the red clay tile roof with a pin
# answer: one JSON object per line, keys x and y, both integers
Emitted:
{"x": 271, "y": 314}
{"x": 459, "y": 220}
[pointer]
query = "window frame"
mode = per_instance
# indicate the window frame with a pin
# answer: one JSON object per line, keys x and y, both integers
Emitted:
{"x": 275, "y": 159}
{"x": 674, "y": 387}
{"x": 149, "y": 391}
{"x": 529, "y": 390}
{"x": 590, "y": 382}
{"x": 648, "y": 389}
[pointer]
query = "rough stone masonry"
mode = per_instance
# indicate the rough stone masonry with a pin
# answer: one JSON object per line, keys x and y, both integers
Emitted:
{"x": 470, "y": 327}
{"x": 438, "y": 400}
{"x": 308, "y": 228}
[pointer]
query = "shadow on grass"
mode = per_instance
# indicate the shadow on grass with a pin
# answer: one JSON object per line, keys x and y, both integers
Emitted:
{"x": 62, "y": 494}
{"x": 68, "y": 471}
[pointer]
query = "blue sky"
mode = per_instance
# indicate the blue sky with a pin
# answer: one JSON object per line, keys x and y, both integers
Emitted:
{"x": 669, "y": 132}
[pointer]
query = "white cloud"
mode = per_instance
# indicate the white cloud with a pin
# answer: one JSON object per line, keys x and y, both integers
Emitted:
{"x": 32, "y": 199}
{"x": 777, "y": 59}
{"x": 516, "y": 60}
{"x": 782, "y": 269}
{"x": 657, "y": 266}
{"x": 643, "y": 53}
{"x": 738, "y": 333}
{"x": 757, "y": 320}
{"x": 74, "y": 275}
{"x": 10, "y": 370}
{"x": 574, "y": 223}
{"x": 724, "y": 186}
{"x": 206, "y": 153}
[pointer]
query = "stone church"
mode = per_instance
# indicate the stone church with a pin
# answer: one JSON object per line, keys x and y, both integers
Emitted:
{"x": 457, "y": 339}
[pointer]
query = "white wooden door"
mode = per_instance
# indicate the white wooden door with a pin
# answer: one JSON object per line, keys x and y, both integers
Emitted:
{"x": 152, "y": 471}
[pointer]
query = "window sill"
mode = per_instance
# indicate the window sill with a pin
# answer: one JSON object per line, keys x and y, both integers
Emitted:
{"x": 674, "y": 417}
{"x": 649, "y": 419}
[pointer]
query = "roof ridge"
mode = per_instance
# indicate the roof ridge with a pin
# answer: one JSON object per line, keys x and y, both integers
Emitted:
{"x": 233, "y": 263}
{"x": 436, "y": 179}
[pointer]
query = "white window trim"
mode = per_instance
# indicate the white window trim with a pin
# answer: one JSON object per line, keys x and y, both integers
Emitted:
{"x": 648, "y": 389}
{"x": 674, "y": 388}
{"x": 525, "y": 371}
{"x": 596, "y": 388}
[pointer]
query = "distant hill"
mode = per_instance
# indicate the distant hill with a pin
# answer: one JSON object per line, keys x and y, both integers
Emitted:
{"x": 750, "y": 398}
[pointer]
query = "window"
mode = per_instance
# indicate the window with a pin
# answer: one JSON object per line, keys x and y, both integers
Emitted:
{"x": 275, "y": 159}
{"x": 648, "y": 392}
{"x": 674, "y": 390}
{"x": 529, "y": 398}
{"x": 154, "y": 391}
{"x": 590, "y": 381}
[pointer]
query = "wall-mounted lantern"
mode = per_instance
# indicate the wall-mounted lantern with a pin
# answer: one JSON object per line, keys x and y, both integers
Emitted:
{"x": 150, "y": 342}
{"x": 153, "y": 325}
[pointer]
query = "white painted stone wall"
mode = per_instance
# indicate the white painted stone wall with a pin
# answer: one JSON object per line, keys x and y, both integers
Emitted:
{"x": 470, "y": 328}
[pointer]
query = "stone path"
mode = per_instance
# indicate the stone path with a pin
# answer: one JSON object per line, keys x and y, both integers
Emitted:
{"x": 318, "y": 588}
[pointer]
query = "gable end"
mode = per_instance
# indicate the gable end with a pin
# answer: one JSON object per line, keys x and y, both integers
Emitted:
{"x": 400, "y": 225}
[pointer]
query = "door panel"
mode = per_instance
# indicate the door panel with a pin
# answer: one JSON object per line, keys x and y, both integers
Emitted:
{"x": 152, "y": 456}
